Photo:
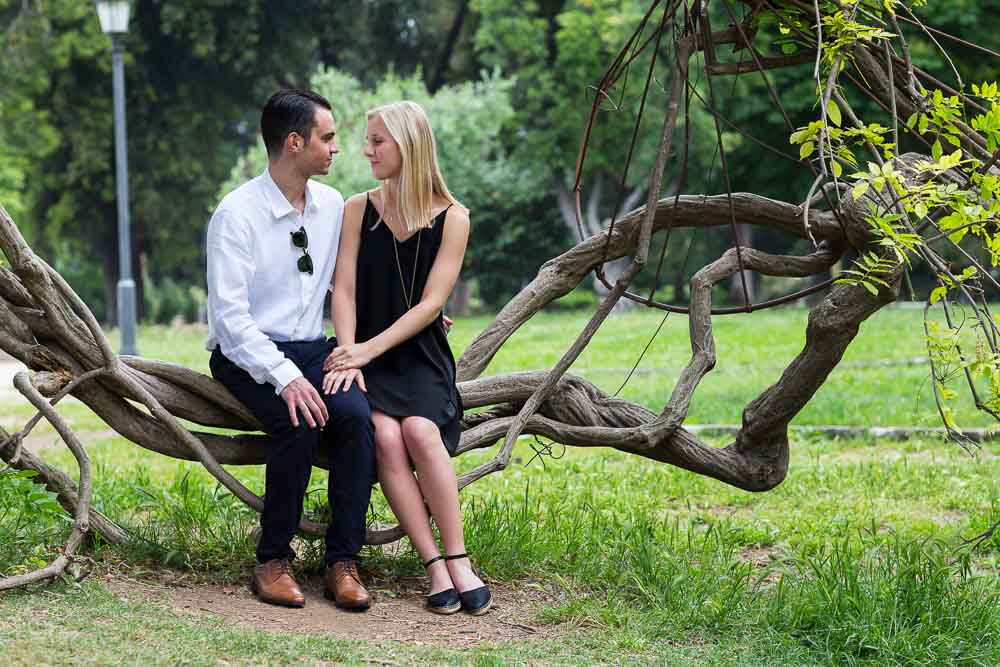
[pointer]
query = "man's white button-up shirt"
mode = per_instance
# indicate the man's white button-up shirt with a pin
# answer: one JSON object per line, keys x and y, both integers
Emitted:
{"x": 256, "y": 293}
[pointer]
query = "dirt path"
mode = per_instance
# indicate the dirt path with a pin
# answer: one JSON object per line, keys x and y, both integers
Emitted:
{"x": 396, "y": 615}
{"x": 9, "y": 367}
{"x": 42, "y": 437}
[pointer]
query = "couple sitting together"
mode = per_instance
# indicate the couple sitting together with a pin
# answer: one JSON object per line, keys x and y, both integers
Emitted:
{"x": 381, "y": 396}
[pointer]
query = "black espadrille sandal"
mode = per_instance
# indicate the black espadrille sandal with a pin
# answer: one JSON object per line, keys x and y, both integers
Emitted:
{"x": 443, "y": 602}
{"x": 476, "y": 601}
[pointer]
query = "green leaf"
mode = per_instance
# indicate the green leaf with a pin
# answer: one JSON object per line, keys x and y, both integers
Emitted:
{"x": 936, "y": 150}
{"x": 833, "y": 113}
{"x": 837, "y": 169}
{"x": 936, "y": 294}
{"x": 868, "y": 286}
{"x": 806, "y": 149}
{"x": 859, "y": 190}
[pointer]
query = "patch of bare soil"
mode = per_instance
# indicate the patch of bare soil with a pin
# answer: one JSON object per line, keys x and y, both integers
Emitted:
{"x": 397, "y": 613}
{"x": 950, "y": 517}
{"x": 763, "y": 558}
{"x": 9, "y": 367}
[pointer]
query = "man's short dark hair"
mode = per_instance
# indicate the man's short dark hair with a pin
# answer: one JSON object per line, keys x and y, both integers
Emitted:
{"x": 288, "y": 111}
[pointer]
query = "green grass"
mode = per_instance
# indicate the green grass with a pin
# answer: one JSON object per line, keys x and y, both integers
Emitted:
{"x": 853, "y": 559}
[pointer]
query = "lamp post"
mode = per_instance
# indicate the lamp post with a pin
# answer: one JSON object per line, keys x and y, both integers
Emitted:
{"x": 114, "y": 22}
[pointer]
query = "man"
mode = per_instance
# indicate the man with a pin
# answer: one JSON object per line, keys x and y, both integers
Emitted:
{"x": 272, "y": 246}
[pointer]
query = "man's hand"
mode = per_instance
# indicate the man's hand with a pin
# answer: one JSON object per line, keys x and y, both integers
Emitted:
{"x": 346, "y": 357}
{"x": 447, "y": 323}
{"x": 334, "y": 379}
{"x": 299, "y": 394}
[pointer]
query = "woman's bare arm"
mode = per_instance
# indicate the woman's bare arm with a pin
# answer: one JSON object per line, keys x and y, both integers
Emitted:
{"x": 442, "y": 278}
{"x": 343, "y": 304}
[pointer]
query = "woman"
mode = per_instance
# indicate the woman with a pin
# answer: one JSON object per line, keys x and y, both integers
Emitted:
{"x": 400, "y": 253}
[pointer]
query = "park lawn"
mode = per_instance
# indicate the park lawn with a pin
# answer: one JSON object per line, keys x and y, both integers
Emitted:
{"x": 853, "y": 558}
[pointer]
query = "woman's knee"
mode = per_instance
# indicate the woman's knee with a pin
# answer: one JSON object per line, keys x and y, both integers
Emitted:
{"x": 389, "y": 447}
{"x": 421, "y": 437}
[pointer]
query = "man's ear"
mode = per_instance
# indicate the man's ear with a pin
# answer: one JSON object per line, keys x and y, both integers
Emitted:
{"x": 294, "y": 142}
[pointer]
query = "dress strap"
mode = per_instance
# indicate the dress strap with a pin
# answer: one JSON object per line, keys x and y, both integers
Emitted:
{"x": 370, "y": 206}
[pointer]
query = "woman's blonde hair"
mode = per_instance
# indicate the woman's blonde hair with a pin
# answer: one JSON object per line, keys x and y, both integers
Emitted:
{"x": 420, "y": 179}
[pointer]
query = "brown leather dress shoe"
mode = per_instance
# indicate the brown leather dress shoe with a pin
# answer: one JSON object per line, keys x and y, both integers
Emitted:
{"x": 343, "y": 586}
{"x": 273, "y": 582}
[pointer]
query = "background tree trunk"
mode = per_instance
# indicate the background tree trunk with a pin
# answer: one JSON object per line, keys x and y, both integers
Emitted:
{"x": 737, "y": 297}
{"x": 458, "y": 303}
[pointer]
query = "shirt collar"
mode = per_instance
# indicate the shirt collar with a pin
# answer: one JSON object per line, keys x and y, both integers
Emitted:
{"x": 280, "y": 206}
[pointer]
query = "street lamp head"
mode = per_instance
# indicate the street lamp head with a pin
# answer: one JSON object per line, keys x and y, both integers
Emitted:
{"x": 113, "y": 15}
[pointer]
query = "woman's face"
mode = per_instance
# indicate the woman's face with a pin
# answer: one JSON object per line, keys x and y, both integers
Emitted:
{"x": 382, "y": 150}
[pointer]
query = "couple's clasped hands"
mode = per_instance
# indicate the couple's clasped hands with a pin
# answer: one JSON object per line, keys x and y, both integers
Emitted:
{"x": 343, "y": 367}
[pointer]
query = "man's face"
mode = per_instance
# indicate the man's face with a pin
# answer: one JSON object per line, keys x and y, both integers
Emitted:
{"x": 316, "y": 156}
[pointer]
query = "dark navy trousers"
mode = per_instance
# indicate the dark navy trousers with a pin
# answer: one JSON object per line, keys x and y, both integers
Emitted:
{"x": 349, "y": 441}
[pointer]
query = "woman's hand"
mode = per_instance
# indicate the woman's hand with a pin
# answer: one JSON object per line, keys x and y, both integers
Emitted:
{"x": 345, "y": 357}
{"x": 333, "y": 380}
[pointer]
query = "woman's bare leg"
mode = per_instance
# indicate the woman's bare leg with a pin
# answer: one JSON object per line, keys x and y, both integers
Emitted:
{"x": 401, "y": 490}
{"x": 436, "y": 476}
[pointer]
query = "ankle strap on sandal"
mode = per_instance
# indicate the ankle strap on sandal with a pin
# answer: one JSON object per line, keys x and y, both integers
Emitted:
{"x": 434, "y": 560}
{"x": 455, "y": 556}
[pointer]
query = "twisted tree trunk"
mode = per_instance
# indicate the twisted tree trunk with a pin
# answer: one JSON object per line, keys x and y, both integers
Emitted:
{"x": 45, "y": 325}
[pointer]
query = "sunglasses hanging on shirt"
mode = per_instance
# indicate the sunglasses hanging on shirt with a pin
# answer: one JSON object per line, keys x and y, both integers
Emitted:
{"x": 301, "y": 240}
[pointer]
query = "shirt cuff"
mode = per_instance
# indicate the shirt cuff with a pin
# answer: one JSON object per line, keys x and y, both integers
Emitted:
{"x": 283, "y": 374}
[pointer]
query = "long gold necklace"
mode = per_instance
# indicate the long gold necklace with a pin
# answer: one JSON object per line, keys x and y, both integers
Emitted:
{"x": 399, "y": 267}
{"x": 408, "y": 296}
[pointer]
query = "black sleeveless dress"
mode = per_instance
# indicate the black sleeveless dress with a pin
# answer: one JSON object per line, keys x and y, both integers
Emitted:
{"x": 417, "y": 377}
